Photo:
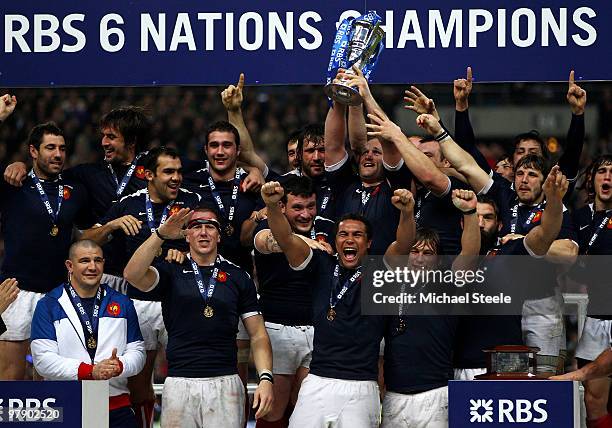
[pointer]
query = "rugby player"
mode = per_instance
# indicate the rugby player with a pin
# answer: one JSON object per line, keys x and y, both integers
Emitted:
{"x": 341, "y": 387}
{"x": 202, "y": 301}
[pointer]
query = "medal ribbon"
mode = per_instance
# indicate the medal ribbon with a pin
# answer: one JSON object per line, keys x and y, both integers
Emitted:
{"x": 419, "y": 204}
{"x": 206, "y": 293}
{"x": 149, "y": 209}
{"x": 601, "y": 226}
{"x": 325, "y": 200}
{"x": 219, "y": 201}
{"x": 128, "y": 174}
{"x": 514, "y": 221}
{"x": 334, "y": 298}
{"x": 90, "y": 326}
{"x": 45, "y": 199}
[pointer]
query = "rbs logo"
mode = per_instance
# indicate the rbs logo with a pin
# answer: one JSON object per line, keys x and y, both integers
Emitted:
{"x": 511, "y": 411}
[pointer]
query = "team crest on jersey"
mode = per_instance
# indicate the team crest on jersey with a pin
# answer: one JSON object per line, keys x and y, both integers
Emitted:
{"x": 610, "y": 223}
{"x": 537, "y": 217}
{"x": 140, "y": 172}
{"x": 174, "y": 209}
{"x": 492, "y": 253}
{"x": 221, "y": 276}
{"x": 113, "y": 308}
{"x": 66, "y": 193}
{"x": 321, "y": 238}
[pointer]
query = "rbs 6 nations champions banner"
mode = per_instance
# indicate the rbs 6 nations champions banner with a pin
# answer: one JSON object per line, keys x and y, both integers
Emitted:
{"x": 156, "y": 42}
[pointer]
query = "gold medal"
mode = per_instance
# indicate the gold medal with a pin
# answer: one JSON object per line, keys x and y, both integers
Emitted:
{"x": 91, "y": 343}
{"x": 208, "y": 311}
{"x": 331, "y": 314}
{"x": 229, "y": 229}
{"x": 54, "y": 230}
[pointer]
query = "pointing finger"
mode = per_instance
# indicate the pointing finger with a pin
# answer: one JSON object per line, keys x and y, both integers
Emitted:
{"x": 571, "y": 78}
{"x": 469, "y": 74}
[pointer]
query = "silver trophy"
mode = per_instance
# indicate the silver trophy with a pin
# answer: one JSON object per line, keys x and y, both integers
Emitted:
{"x": 362, "y": 51}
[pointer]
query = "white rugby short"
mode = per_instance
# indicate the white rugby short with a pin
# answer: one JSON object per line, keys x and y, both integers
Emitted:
{"x": 291, "y": 347}
{"x": 203, "y": 402}
{"x": 467, "y": 374}
{"x": 543, "y": 327}
{"x": 336, "y": 403}
{"x": 18, "y": 316}
{"x": 151, "y": 324}
{"x": 595, "y": 339}
{"x": 427, "y": 409}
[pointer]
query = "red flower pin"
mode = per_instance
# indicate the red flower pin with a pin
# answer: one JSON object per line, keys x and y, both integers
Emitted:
{"x": 174, "y": 209}
{"x": 221, "y": 276}
{"x": 66, "y": 193}
{"x": 610, "y": 224}
{"x": 113, "y": 308}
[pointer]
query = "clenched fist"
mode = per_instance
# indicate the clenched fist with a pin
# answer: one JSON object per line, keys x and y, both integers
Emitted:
{"x": 464, "y": 200}
{"x": 272, "y": 192}
{"x": 403, "y": 200}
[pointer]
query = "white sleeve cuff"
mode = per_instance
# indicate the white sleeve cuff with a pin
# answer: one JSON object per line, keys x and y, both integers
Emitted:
{"x": 156, "y": 280}
{"x": 266, "y": 171}
{"x": 448, "y": 189}
{"x": 249, "y": 314}
{"x": 487, "y": 187}
{"x": 304, "y": 263}
{"x": 530, "y": 251}
{"x": 337, "y": 165}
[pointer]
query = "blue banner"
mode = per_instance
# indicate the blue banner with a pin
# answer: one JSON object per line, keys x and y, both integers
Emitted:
{"x": 528, "y": 403}
{"x": 32, "y": 404}
{"x": 189, "y": 42}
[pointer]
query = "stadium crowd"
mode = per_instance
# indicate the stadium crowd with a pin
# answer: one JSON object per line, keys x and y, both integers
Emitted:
{"x": 190, "y": 236}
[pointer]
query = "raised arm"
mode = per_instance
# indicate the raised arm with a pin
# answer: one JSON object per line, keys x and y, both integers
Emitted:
{"x": 16, "y": 172}
{"x": 138, "y": 270}
{"x": 466, "y": 201}
{"x": 464, "y": 133}
{"x": 295, "y": 249}
{"x": 391, "y": 156}
{"x": 459, "y": 159}
{"x": 335, "y": 133}
{"x": 357, "y": 130}
{"x": 540, "y": 238}
{"x": 7, "y": 106}
{"x": 403, "y": 200}
{"x": 416, "y": 161}
{"x": 232, "y": 98}
{"x": 570, "y": 159}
